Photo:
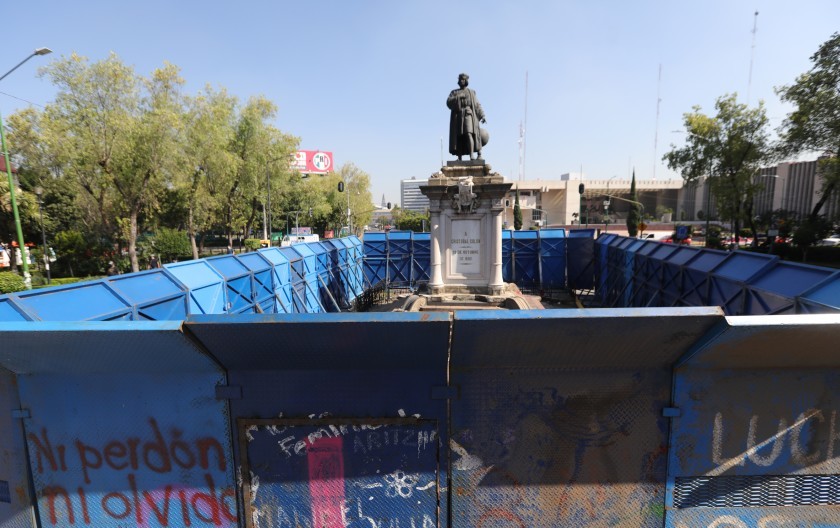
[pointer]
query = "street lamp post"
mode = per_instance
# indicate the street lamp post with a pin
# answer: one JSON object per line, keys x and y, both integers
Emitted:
{"x": 27, "y": 278}
{"x": 39, "y": 192}
{"x": 267, "y": 206}
{"x": 607, "y": 207}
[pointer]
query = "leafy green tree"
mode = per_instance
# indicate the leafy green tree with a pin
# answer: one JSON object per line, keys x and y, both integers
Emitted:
{"x": 815, "y": 123}
{"x": 171, "y": 244}
{"x": 517, "y": 213}
{"x": 209, "y": 124}
{"x": 729, "y": 147}
{"x": 634, "y": 214}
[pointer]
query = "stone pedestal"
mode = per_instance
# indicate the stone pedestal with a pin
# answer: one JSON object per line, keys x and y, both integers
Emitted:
{"x": 466, "y": 206}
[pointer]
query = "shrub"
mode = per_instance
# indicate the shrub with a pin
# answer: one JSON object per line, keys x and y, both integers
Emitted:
{"x": 252, "y": 244}
{"x": 11, "y": 282}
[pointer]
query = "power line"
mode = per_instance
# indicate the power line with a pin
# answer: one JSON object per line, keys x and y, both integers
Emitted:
{"x": 21, "y": 99}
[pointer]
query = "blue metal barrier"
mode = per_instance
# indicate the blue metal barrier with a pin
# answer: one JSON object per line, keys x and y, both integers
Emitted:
{"x": 774, "y": 290}
{"x": 84, "y": 301}
{"x": 298, "y": 278}
{"x": 421, "y": 258}
{"x": 727, "y": 281}
{"x": 507, "y": 255}
{"x": 399, "y": 258}
{"x": 239, "y": 283}
{"x": 376, "y": 257}
{"x": 281, "y": 279}
{"x": 356, "y": 254}
{"x": 10, "y": 312}
{"x": 676, "y": 417}
{"x": 822, "y": 298}
{"x": 526, "y": 258}
{"x": 553, "y": 258}
{"x": 206, "y": 286}
{"x": 343, "y": 271}
{"x": 695, "y": 277}
{"x": 581, "y": 257}
{"x": 263, "y": 283}
{"x": 310, "y": 277}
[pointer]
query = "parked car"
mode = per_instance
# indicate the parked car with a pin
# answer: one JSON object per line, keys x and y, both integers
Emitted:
{"x": 670, "y": 240}
{"x": 832, "y": 241}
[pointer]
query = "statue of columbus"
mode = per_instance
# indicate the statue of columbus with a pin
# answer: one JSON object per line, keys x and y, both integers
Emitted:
{"x": 465, "y": 133}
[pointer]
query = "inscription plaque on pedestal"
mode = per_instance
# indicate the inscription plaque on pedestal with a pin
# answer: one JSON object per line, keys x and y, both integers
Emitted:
{"x": 465, "y": 245}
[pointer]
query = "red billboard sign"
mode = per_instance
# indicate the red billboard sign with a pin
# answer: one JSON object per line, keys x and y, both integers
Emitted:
{"x": 313, "y": 161}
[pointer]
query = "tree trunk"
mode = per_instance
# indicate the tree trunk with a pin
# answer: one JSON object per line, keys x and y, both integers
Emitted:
{"x": 827, "y": 191}
{"x": 132, "y": 239}
{"x": 191, "y": 230}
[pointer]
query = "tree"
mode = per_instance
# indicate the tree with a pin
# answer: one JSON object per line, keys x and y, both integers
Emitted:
{"x": 729, "y": 148}
{"x": 634, "y": 214}
{"x": 517, "y": 213}
{"x": 815, "y": 123}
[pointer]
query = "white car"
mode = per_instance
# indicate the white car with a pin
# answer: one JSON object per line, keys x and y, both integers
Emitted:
{"x": 832, "y": 241}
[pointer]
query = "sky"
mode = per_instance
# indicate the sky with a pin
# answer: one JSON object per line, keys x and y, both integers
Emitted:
{"x": 368, "y": 80}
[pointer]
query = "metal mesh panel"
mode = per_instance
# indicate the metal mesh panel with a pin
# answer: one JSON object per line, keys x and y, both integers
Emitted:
{"x": 756, "y": 491}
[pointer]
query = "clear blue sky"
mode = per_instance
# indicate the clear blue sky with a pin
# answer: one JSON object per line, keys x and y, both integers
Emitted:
{"x": 368, "y": 80}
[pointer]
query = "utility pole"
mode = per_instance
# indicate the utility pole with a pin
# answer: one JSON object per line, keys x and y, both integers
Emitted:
{"x": 656, "y": 133}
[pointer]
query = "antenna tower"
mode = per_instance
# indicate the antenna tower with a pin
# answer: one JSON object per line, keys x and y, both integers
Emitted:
{"x": 523, "y": 126}
{"x": 752, "y": 55}
{"x": 656, "y": 131}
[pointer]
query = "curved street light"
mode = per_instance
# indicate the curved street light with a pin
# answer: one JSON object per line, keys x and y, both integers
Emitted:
{"x": 27, "y": 278}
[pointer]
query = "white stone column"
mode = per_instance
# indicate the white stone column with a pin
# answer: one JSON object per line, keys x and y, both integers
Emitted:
{"x": 436, "y": 275}
{"x": 496, "y": 281}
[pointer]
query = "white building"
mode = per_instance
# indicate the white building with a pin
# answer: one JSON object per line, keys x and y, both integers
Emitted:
{"x": 410, "y": 196}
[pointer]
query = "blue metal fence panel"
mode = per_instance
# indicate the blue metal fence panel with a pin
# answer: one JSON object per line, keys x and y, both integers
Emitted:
{"x": 206, "y": 286}
{"x": 756, "y": 429}
{"x": 615, "y": 282}
{"x": 123, "y": 425}
{"x": 558, "y": 422}
{"x": 344, "y": 271}
{"x": 358, "y": 255}
{"x": 695, "y": 277}
{"x": 263, "y": 282}
{"x": 376, "y": 257}
{"x": 312, "y": 297}
{"x": 15, "y": 498}
{"x": 281, "y": 279}
{"x": 581, "y": 256}
{"x": 10, "y": 312}
{"x": 526, "y": 258}
{"x": 155, "y": 294}
{"x": 238, "y": 282}
{"x": 84, "y": 301}
{"x": 421, "y": 265}
{"x": 399, "y": 258}
{"x": 553, "y": 258}
{"x": 332, "y": 294}
{"x": 298, "y": 278}
{"x": 602, "y": 245}
{"x": 507, "y": 256}
{"x": 727, "y": 281}
{"x": 672, "y": 268}
{"x": 644, "y": 283}
{"x": 822, "y": 298}
{"x": 350, "y": 405}
{"x": 774, "y": 290}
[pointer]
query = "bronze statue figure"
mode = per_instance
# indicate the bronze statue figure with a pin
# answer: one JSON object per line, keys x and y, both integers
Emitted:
{"x": 465, "y": 133}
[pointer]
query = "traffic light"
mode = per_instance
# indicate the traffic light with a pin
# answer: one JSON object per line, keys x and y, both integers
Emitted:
{"x": 389, "y": 205}
{"x": 581, "y": 188}
{"x": 341, "y": 186}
